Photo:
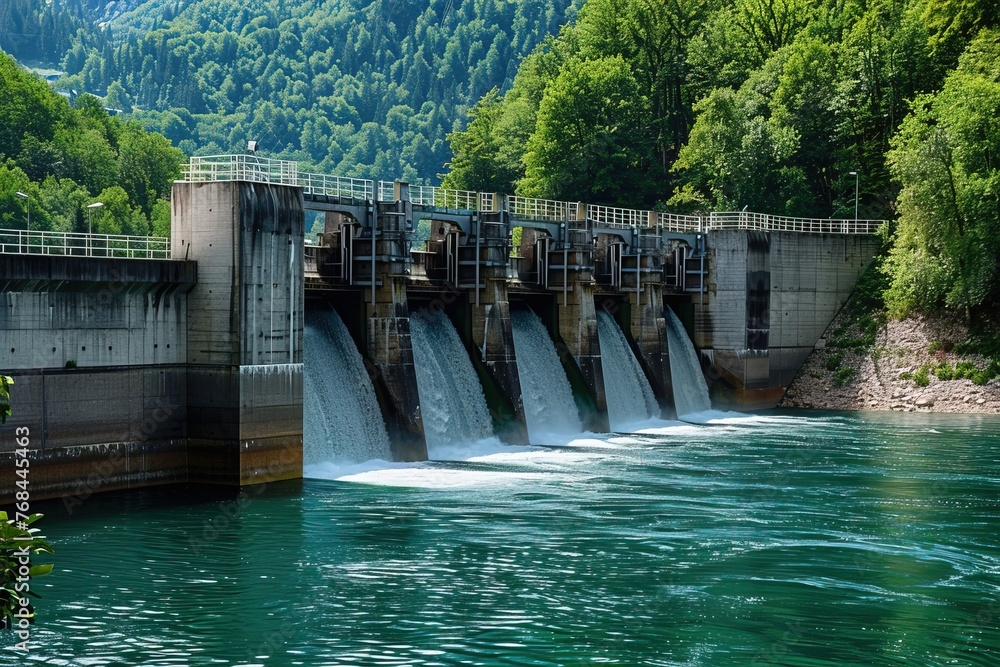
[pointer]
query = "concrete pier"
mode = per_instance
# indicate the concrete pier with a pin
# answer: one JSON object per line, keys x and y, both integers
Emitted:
{"x": 244, "y": 334}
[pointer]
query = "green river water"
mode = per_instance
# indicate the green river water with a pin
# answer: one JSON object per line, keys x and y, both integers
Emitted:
{"x": 806, "y": 539}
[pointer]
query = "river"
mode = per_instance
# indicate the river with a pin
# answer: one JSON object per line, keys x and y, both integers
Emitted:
{"x": 798, "y": 539}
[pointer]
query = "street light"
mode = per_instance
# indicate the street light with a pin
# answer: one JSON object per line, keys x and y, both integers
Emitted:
{"x": 856, "y": 177}
{"x": 90, "y": 208}
{"x": 90, "y": 226}
{"x": 27, "y": 206}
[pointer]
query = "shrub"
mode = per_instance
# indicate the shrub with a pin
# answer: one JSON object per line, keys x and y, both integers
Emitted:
{"x": 833, "y": 361}
{"x": 844, "y": 375}
{"x": 944, "y": 371}
{"x": 920, "y": 377}
{"x": 14, "y": 537}
{"x": 965, "y": 370}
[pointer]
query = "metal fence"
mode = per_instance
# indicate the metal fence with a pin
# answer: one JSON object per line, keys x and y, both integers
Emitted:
{"x": 22, "y": 242}
{"x": 283, "y": 172}
{"x": 249, "y": 168}
{"x": 529, "y": 208}
{"x": 428, "y": 195}
{"x": 776, "y": 223}
{"x": 340, "y": 187}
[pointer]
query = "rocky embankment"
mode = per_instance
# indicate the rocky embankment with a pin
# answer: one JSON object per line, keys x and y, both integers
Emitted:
{"x": 905, "y": 366}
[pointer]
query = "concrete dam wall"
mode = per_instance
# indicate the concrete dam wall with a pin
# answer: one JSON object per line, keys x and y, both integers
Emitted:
{"x": 133, "y": 372}
{"x": 138, "y": 372}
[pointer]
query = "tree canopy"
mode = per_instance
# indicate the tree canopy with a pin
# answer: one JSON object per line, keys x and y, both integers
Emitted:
{"x": 64, "y": 158}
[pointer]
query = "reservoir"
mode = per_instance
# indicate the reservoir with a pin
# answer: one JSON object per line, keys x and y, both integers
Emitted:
{"x": 800, "y": 539}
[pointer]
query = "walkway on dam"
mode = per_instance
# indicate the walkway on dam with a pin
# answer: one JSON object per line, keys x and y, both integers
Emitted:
{"x": 329, "y": 192}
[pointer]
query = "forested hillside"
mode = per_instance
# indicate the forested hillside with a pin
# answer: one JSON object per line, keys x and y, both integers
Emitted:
{"x": 770, "y": 105}
{"x": 358, "y": 87}
{"x": 65, "y": 158}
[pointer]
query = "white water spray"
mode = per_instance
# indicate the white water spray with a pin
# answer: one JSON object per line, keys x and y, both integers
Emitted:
{"x": 630, "y": 398}
{"x": 342, "y": 421}
{"x": 547, "y": 396}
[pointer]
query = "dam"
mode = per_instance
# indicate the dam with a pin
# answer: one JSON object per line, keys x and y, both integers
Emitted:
{"x": 153, "y": 361}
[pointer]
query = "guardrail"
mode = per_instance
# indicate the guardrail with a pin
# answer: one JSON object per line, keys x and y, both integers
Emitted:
{"x": 248, "y": 168}
{"x": 341, "y": 187}
{"x": 776, "y": 223}
{"x": 284, "y": 172}
{"x": 429, "y": 195}
{"x": 22, "y": 242}
{"x": 549, "y": 210}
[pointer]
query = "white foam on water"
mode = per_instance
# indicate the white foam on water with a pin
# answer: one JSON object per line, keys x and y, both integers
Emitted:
{"x": 468, "y": 451}
{"x": 437, "y": 477}
{"x": 337, "y": 470}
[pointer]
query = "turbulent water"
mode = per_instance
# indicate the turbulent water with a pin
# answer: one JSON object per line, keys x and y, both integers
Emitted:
{"x": 548, "y": 398}
{"x": 341, "y": 419}
{"x": 690, "y": 389}
{"x": 834, "y": 540}
{"x": 452, "y": 403}
{"x": 630, "y": 398}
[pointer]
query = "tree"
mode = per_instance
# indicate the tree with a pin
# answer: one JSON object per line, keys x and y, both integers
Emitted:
{"x": 947, "y": 244}
{"x": 592, "y": 141}
{"x": 476, "y": 164}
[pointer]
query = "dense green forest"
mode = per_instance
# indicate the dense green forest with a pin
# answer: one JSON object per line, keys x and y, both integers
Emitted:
{"x": 696, "y": 105}
{"x": 688, "y": 105}
{"x": 363, "y": 88}
{"x": 64, "y": 158}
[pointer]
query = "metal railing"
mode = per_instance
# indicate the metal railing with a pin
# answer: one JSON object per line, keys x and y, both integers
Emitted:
{"x": 341, "y": 187}
{"x": 284, "y": 172}
{"x": 387, "y": 191}
{"x": 529, "y": 208}
{"x": 429, "y": 195}
{"x": 22, "y": 242}
{"x": 248, "y": 168}
{"x": 776, "y": 223}
{"x": 617, "y": 218}
{"x": 682, "y": 224}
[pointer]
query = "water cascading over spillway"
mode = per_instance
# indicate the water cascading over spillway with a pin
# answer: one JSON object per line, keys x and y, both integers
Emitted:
{"x": 690, "y": 388}
{"x": 546, "y": 394}
{"x": 630, "y": 398}
{"x": 341, "y": 417}
{"x": 452, "y": 403}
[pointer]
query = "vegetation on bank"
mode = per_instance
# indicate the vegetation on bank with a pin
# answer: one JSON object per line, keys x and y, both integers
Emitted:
{"x": 18, "y": 538}
{"x": 65, "y": 158}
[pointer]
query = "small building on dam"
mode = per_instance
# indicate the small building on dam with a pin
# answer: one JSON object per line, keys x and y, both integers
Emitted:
{"x": 153, "y": 361}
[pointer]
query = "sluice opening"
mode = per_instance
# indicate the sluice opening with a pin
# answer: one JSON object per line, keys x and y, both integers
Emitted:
{"x": 342, "y": 421}
{"x": 629, "y": 394}
{"x": 549, "y": 408}
{"x": 690, "y": 388}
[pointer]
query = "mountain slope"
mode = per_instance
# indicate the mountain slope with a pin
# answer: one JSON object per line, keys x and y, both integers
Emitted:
{"x": 353, "y": 86}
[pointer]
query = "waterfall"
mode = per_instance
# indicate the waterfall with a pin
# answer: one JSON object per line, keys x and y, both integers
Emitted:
{"x": 690, "y": 389}
{"x": 452, "y": 403}
{"x": 546, "y": 394}
{"x": 341, "y": 417}
{"x": 630, "y": 398}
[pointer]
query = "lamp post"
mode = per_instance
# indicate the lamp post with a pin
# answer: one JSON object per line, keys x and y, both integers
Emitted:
{"x": 90, "y": 226}
{"x": 27, "y": 206}
{"x": 856, "y": 177}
